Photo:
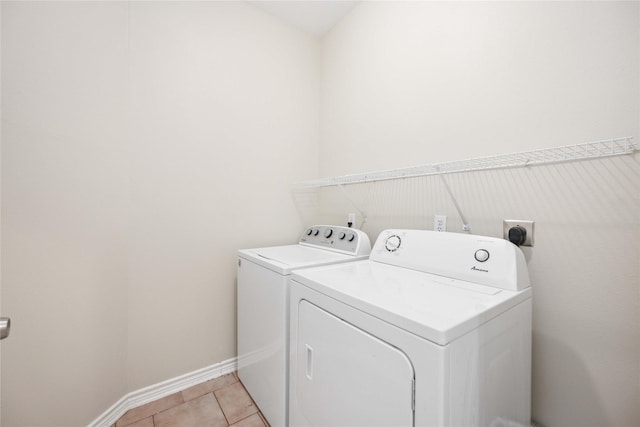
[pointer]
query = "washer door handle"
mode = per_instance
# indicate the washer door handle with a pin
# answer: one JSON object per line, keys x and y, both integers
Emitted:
{"x": 5, "y": 327}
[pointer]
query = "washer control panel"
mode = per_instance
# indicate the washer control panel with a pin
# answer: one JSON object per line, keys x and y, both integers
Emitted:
{"x": 337, "y": 238}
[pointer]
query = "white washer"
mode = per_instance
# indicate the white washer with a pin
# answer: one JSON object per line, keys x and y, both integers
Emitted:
{"x": 263, "y": 308}
{"x": 434, "y": 329}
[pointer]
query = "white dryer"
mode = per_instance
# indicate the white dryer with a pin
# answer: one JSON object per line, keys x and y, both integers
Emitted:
{"x": 263, "y": 308}
{"x": 434, "y": 329}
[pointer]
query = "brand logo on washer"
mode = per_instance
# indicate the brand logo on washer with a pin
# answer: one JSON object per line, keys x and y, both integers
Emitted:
{"x": 479, "y": 269}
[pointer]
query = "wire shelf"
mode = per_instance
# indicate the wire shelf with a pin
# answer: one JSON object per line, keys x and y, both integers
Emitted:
{"x": 568, "y": 153}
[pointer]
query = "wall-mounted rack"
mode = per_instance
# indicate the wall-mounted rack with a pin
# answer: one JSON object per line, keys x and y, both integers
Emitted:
{"x": 568, "y": 153}
{"x": 589, "y": 150}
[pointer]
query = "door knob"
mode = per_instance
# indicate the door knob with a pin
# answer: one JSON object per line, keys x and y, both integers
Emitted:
{"x": 5, "y": 327}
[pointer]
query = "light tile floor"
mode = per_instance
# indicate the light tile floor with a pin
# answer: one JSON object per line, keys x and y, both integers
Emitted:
{"x": 221, "y": 402}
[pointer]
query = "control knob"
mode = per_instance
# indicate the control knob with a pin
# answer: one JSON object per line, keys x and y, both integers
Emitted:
{"x": 481, "y": 255}
{"x": 328, "y": 233}
{"x": 392, "y": 243}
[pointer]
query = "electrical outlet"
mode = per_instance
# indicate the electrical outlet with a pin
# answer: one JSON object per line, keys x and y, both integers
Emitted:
{"x": 440, "y": 223}
{"x": 507, "y": 224}
{"x": 351, "y": 219}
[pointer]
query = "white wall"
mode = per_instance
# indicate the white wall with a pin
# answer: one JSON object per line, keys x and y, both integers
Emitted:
{"x": 410, "y": 83}
{"x": 143, "y": 143}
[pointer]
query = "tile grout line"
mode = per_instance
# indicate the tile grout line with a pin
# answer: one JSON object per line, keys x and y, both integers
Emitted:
{"x": 183, "y": 400}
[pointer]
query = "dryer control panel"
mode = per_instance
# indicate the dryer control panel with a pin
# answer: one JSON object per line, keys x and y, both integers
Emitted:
{"x": 340, "y": 239}
{"x": 478, "y": 259}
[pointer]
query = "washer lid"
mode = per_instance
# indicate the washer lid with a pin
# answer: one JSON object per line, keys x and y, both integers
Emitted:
{"x": 437, "y": 308}
{"x": 284, "y": 259}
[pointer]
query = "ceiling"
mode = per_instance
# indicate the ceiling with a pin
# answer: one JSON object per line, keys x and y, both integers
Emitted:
{"x": 315, "y": 17}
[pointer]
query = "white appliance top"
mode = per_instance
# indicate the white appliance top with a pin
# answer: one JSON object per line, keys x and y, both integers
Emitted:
{"x": 319, "y": 245}
{"x": 395, "y": 286}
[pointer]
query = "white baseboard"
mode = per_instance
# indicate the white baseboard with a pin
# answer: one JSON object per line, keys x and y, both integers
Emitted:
{"x": 162, "y": 389}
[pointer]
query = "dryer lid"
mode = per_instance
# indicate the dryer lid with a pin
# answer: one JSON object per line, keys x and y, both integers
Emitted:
{"x": 437, "y": 308}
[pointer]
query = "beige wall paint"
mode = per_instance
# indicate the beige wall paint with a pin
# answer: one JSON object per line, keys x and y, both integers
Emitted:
{"x": 476, "y": 79}
{"x": 0, "y": 204}
{"x": 224, "y": 111}
{"x": 143, "y": 144}
{"x": 64, "y": 211}
{"x": 410, "y": 83}
{"x": 125, "y": 128}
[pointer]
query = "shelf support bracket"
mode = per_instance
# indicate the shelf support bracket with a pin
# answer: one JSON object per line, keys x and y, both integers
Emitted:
{"x": 350, "y": 199}
{"x": 465, "y": 223}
